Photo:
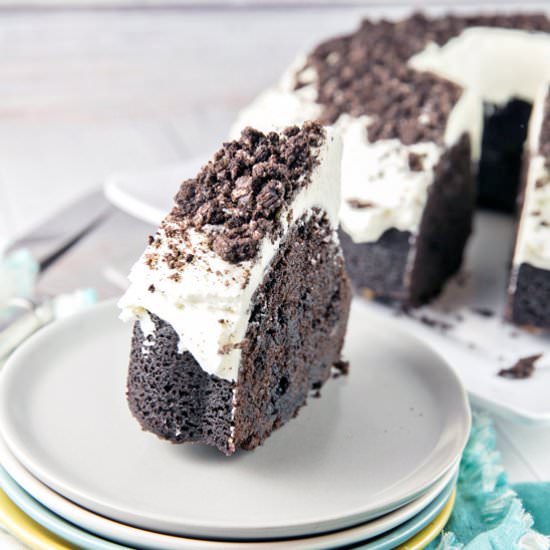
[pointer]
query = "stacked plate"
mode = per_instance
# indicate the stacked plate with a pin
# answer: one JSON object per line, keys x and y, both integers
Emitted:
{"x": 372, "y": 463}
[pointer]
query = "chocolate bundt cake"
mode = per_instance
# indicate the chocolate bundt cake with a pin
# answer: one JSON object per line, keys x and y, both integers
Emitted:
{"x": 241, "y": 298}
{"x": 425, "y": 106}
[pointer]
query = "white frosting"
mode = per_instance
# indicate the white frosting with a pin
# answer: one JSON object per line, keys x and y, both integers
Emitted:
{"x": 498, "y": 64}
{"x": 378, "y": 173}
{"x": 533, "y": 238}
{"x": 209, "y": 305}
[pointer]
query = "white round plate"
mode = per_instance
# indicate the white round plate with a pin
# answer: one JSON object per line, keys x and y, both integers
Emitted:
{"x": 133, "y": 537}
{"x": 375, "y": 441}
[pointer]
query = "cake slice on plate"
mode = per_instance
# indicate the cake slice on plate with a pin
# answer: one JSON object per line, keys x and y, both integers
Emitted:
{"x": 241, "y": 298}
{"x": 529, "y": 290}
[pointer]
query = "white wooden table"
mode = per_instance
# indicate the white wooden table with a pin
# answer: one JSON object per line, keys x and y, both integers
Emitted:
{"x": 86, "y": 92}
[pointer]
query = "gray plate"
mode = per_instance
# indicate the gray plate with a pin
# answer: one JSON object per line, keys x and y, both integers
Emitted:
{"x": 376, "y": 440}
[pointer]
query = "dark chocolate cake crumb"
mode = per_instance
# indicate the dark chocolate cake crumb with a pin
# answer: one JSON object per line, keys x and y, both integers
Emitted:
{"x": 151, "y": 288}
{"x": 434, "y": 323}
{"x": 358, "y": 203}
{"x": 342, "y": 367}
{"x": 416, "y": 162}
{"x": 483, "y": 311}
{"x": 523, "y": 368}
{"x": 236, "y": 198}
{"x": 151, "y": 260}
{"x": 366, "y": 73}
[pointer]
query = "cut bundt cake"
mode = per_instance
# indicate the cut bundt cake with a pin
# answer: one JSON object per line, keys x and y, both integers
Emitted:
{"x": 424, "y": 105}
{"x": 529, "y": 303}
{"x": 241, "y": 298}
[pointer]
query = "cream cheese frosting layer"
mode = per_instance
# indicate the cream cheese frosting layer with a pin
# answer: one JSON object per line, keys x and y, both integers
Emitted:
{"x": 209, "y": 303}
{"x": 533, "y": 237}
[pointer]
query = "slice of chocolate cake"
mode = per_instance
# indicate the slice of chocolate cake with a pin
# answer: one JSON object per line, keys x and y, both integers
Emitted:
{"x": 241, "y": 299}
{"x": 529, "y": 289}
{"x": 424, "y": 104}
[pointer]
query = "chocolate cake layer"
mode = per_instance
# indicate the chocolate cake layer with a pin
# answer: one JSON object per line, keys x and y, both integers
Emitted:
{"x": 504, "y": 133}
{"x": 446, "y": 224}
{"x": 295, "y": 335}
{"x": 412, "y": 270}
{"x": 530, "y": 303}
{"x": 379, "y": 269}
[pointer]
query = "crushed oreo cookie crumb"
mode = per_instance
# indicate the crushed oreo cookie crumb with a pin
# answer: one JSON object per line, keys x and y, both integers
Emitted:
{"x": 523, "y": 368}
{"x": 151, "y": 288}
{"x": 359, "y": 204}
{"x": 416, "y": 162}
{"x": 434, "y": 323}
{"x": 236, "y": 198}
{"x": 483, "y": 311}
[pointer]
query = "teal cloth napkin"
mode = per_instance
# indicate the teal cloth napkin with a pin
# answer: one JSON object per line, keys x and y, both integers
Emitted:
{"x": 491, "y": 514}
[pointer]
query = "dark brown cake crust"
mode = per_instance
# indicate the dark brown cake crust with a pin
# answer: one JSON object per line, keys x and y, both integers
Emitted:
{"x": 295, "y": 334}
{"x": 412, "y": 271}
{"x": 294, "y": 337}
{"x": 446, "y": 224}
